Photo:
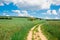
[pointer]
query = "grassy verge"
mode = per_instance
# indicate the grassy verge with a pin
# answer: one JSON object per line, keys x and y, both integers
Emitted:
{"x": 52, "y": 30}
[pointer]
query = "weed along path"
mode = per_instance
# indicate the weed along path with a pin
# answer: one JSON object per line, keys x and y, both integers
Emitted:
{"x": 36, "y": 33}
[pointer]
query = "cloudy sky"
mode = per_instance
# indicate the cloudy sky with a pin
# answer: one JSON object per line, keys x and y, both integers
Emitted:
{"x": 34, "y": 8}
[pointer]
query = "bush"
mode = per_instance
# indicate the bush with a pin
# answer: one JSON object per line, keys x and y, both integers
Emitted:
{"x": 6, "y": 18}
{"x": 31, "y": 19}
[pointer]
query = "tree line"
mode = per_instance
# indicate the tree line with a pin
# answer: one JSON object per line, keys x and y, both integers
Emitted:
{"x": 6, "y": 18}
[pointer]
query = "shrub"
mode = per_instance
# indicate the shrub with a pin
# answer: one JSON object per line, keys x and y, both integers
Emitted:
{"x": 6, "y": 18}
{"x": 31, "y": 19}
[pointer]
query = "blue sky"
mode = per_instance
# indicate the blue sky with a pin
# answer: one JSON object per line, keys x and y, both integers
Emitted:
{"x": 49, "y": 9}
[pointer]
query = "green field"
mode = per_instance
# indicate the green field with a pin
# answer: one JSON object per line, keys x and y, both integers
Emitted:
{"x": 16, "y": 28}
{"x": 52, "y": 30}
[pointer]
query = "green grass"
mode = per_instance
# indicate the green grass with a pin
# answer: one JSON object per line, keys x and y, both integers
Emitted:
{"x": 52, "y": 30}
{"x": 17, "y": 28}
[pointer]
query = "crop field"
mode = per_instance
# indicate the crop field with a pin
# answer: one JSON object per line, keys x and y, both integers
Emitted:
{"x": 16, "y": 28}
{"x": 52, "y": 30}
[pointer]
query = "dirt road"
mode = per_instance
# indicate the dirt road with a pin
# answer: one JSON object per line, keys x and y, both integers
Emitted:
{"x": 36, "y": 35}
{"x": 42, "y": 36}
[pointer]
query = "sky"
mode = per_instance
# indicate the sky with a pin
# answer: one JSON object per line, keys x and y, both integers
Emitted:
{"x": 47, "y": 9}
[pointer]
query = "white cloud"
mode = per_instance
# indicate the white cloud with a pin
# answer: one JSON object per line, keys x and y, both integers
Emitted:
{"x": 16, "y": 11}
{"x": 25, "y": 13}
{"x": 47, "y": 17}
{"x": 57, "y": 2}
{"x": 33, "y": 4}
{"x": 31, "y": 16}
{"x": 4, "y": 14}
{"x": 45, "y": 5}
{"x": 1, "y": 4}
{"x": 59, "y": 11}
{"x": 51, "y": 17}
{"x": 7, "y": 15}
{"x": 22, "y": 13}
{"x": 49, "y": 12}
{"x": 54, "y": 12}
{"x": 56, "y": 18}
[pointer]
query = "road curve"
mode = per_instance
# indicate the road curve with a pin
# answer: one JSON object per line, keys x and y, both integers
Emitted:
{"x": 39, "y": 33}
